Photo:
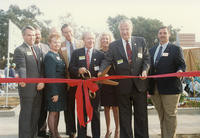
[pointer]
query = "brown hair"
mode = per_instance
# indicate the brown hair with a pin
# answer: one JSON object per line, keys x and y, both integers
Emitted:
{"x": 164, "y": 27}
{"x": 54, "y": 35}
{"x": 64, "y": 26}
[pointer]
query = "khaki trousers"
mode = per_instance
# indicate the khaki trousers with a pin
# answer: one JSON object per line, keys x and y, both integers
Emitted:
{"x": 166, "y": 106}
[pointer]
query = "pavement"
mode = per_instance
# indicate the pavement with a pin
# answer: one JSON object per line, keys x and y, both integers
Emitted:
{"x": 188, "y": 125}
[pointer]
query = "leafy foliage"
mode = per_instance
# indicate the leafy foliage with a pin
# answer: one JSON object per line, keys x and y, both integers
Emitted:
{"x": 145, "y": 27}
{"x": 20, "y": 17}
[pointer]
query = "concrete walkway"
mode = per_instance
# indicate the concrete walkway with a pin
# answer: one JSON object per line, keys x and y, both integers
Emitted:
{"x": 187, "y": 124}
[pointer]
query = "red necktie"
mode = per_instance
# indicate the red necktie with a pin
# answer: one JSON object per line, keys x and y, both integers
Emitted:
{"x": 129, "y": 52}
{"x": 88, "y": 59}
{"x": 34, "y": 55}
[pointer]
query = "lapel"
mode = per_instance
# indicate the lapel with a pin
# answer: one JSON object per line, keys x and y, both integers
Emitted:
{"x": 134, "y": 48}
{"x": 82, "y": 53}
{"x": 27, "y": 49}
{"x": 37, "y": 52}
{"x": 153, "y": 54}
{"x": 167, "y": 50}
{"x": 121, "y": 49}
{"x": 92, "y": 62}
{"x": 63, "y": 53}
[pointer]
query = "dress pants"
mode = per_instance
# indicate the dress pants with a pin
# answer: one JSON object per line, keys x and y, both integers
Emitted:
{"x": 95, "y": 122}
{"x": 29, "y": 115}
{"x": 42, "y": 122}
{"x": 166, "y": 106}
{"x": 69, "y": 113}
{"x": 137, "y": 100}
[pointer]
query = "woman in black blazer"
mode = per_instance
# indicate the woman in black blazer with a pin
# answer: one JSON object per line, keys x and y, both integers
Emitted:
{"x": 108, "y": 92}
{"x": 54, "y": 68}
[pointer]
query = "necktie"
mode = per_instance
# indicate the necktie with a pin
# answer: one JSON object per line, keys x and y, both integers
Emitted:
{"x": 129, "y": 52}
{"x": 34, "y": 55}
{"x": 158, "y": 55}
{"x": 88, "y": 59}
{"x": 71, "y": 48}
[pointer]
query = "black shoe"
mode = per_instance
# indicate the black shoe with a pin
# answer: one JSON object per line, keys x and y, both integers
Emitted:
{"x": 73, "y": 135}
{"x": 86, "y": 137}
{"x": 43, "y": 134}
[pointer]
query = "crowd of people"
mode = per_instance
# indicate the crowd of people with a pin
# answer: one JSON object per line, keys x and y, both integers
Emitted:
{"x": 73, "y": 58}
{"x": 192, "y": 86}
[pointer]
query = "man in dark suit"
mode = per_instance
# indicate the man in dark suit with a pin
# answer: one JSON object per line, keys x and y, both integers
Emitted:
{"x": 130, "y": 56}
{"x": 66, "y": 50}
{"x": 88, "y": 58}
{"x": 42, "y": 125}
{"x": 28, "y": 59}
{"x": 166, "y": 58}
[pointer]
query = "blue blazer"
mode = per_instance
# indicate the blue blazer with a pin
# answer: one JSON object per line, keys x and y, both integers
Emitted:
{"x": 170, "y": 62}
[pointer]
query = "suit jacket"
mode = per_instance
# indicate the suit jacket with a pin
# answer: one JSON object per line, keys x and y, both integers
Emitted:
{"x": 64, "y": 54}
{"x": 170, "y": 63}
{"x": 27, "y": 67}
{"x": 141, "y": 62}
{"x": 44, "y": 48}
{"x": 78, "y": 60}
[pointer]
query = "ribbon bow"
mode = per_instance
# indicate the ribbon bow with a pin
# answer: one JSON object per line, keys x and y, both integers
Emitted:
{"x": 84, "y": 85}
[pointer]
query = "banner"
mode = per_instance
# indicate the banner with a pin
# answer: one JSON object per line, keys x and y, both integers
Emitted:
{"x": 14, "y": 37}
{"x": 83, "y": 86}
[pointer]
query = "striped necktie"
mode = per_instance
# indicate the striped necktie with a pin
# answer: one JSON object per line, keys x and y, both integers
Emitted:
{"x": 88, "y": 59}
{"x": 129, "y": 52}
{"x": 158, "y": 56}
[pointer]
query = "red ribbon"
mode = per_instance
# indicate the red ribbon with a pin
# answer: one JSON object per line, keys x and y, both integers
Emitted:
{"x": 89, "y": 84}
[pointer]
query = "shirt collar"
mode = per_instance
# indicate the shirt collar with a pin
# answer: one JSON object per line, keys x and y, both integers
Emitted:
{"x": 91, "y": 49}
{"x": 164, "y": 45}
{"x": 124, "y": 41}
{"x": 28, "y": 45}
{"x": 68, "y": 42}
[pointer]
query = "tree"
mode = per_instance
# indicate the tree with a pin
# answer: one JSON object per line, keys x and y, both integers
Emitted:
{"x": 145, "y": 27}
{"x": 21, "y": 17}
{"x": 78, "y": 30}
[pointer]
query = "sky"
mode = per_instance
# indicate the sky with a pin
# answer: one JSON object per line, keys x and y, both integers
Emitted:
{"x": 183, "y": 14}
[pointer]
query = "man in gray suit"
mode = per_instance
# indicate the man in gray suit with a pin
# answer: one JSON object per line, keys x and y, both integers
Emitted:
{"x": 42, "y": 125}
{"x": 130, "y": 56}
{"x": 28, "y": 59}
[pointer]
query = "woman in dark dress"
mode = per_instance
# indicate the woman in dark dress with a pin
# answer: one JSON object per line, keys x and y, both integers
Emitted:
{"x": 108, "y": 95}
{"x": 54, "y": 68}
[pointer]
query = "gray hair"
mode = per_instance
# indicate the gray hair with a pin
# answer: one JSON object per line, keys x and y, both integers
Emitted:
{"x": 128, "y": 21}
{"x": 87, "y": 33}
{"x": 26, "y": 28}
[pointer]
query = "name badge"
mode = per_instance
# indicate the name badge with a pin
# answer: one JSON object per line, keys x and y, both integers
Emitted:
{"x": 120, "y": 61}
{"x": 63, "y": 48}
{"x": 96, "y": 68}
{"x": 29, "y": 53}
{"x": 40, "y": 58}
{"x": 165, "y": 54}
{"x": 81, "y": 57}
{"x": 58, "y": 58}
{"x": 140, "y": 55}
